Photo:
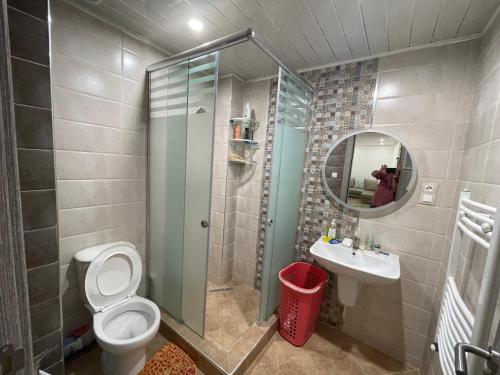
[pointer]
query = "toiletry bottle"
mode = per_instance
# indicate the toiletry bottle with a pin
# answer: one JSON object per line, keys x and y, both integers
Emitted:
{"x": 368, "y": 241}
{"x": 356, "y": 239}
{"x": 332, "y": 232}
{"x": 325, "y": 237}
{"x": 236, "y": 131}
{"x": 372, "y": 241}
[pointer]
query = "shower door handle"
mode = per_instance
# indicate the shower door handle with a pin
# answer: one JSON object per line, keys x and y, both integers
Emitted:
{"x": 204, "y": 224}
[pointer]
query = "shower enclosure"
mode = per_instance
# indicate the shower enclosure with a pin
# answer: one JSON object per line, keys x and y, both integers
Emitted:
{"x": 227, "y": 137}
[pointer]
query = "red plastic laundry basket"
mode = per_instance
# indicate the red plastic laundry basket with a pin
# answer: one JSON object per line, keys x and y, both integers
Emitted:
{"x": 302, "y": 288}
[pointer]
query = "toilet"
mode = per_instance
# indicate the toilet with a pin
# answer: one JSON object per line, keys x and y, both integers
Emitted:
{"x": 124, "y": 323}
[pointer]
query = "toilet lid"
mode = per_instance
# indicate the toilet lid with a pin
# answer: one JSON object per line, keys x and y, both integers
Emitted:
{"x": 112, "y": 276}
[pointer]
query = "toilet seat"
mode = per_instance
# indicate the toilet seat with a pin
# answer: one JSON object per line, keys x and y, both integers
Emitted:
{"x": 113, "y": 276}
{"x": 110, "y": 325}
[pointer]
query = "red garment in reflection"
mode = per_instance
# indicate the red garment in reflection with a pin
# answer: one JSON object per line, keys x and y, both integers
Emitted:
{"x": 386, "y": 188}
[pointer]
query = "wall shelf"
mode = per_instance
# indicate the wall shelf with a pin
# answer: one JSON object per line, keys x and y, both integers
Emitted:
{"x": 242, "y": 162}
{"x": 250, "y": 142}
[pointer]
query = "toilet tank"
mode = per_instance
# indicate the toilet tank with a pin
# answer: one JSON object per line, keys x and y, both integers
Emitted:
{"x": 84, "y": 257}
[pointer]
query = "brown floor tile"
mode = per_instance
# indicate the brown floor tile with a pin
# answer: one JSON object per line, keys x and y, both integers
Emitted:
{"x": 327, "y": 352}
{"x": 230, "y": 313}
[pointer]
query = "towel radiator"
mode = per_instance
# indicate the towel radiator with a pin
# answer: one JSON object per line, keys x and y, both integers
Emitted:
{"x": 474, "y": 222}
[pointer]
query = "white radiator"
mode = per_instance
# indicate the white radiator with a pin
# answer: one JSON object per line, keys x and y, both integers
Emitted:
{"x": 474, "y": 221}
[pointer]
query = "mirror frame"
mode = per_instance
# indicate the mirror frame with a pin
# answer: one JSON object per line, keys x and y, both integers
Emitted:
{"x": 369, "y": 213}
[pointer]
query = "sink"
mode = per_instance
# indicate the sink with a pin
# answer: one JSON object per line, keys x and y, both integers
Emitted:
{"x": 355, "y": 268}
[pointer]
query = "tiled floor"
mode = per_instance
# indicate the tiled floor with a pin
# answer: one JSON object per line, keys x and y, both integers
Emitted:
{"x": 88, "y": 361}
{"x": 326, "y": 352}
{"x": 230, "y": 312}
{"x": 231, "y": 331}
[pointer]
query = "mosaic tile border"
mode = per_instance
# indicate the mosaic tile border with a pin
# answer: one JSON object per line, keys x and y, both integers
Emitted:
{"x": 266, "y": 175}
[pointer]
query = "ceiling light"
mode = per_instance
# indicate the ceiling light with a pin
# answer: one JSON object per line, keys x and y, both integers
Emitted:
{"x": 195, "y": 24}
{"x": 381, "y": 139}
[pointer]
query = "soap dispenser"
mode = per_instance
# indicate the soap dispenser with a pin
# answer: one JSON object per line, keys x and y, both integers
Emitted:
{"x": 332, "y": 232}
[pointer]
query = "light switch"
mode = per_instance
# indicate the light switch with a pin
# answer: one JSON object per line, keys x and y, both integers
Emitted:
{"x": 429, "y": 193}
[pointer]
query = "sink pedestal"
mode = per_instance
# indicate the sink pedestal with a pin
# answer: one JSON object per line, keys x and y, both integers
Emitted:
{"x": 348, "y": 290}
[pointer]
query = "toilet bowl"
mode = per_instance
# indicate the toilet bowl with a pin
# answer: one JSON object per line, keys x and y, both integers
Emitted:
{"x": 124, "y": 323}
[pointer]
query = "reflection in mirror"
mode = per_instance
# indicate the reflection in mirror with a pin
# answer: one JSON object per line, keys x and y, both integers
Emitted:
{"x": 368, "y": 170}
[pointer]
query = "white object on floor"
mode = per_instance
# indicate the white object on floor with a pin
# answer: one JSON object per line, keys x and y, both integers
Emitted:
{"x": 477, "y": 222}
{"x": 355, "y": 268}
{"x": 124, "y": 323}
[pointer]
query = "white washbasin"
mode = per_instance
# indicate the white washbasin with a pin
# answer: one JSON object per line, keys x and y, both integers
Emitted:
{"x": 355, "y": 268}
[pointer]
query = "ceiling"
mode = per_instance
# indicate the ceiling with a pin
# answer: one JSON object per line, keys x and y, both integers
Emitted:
{"x": 302, "y": 33}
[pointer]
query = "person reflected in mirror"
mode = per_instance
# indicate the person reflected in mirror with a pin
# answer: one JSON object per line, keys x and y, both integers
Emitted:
{"x": 387, "y": 184}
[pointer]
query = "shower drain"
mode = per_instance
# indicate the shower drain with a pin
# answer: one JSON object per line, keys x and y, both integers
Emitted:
{"x": 220, "y": 290}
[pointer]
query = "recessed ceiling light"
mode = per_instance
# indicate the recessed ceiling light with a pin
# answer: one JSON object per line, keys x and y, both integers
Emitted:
{"x": 195, "y": 24}
{"x": 381, "y": 139}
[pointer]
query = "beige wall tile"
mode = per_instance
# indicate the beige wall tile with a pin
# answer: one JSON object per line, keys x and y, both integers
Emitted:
{"x": 63, "y": 13}
{"x": 491, "y": 174}
{"x": 83, "y": 193}
{"x": 85, "y": 78}
{"x": 135, "y": 118}
{"x": 75, "y": 136}
{"x": 70, "y": 105}
{"x": 134, "y": 143}
{"x": 416, "y": 108}
{"x": 421, "y": 79}
{"x": 82, "y": 45}
{"x": 135, "y": 93}
{"x": 71, "y": 165}
{"x": 76, "y": 221}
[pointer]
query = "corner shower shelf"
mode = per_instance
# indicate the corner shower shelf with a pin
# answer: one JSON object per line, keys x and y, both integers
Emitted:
{"x": 244, "y": 148}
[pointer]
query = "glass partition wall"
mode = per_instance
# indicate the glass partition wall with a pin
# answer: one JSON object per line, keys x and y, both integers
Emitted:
{"x": 226, "y": 156}
{"x": 182, "y": 106}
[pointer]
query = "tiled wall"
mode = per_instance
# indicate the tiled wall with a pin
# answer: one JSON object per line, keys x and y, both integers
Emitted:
{"x": 479, "y": 162}
{"x": 236, "y": 188}
{"x": 249, "y": 189}
{"x": 220, "y": 255}
{"x": 423, "y": 99}
{"x": 341, "y": 102}
{"x": 29, "y": 42}
{"x": 100, "y": 120}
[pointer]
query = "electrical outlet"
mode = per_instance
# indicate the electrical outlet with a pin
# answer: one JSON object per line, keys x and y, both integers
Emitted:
{"x": 428, "y": 194}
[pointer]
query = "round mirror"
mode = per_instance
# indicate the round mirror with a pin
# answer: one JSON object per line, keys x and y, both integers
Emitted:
{"x": 370, "y": 172}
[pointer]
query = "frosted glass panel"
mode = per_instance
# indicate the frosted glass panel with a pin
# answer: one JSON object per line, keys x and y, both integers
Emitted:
{"x": 180, "y": 162}
{"x": 201, "y": 103}
{"x": 167, "y": 182}
{"x": 285, "y": 186}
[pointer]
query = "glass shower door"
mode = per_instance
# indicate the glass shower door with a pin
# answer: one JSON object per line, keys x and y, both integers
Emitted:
{"x": 182, "y": 105}
{"x": 287, "y": 164}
